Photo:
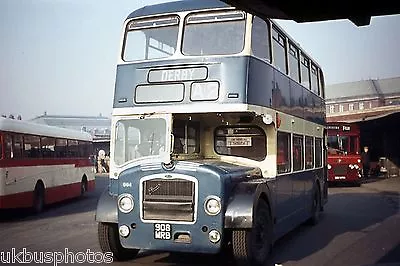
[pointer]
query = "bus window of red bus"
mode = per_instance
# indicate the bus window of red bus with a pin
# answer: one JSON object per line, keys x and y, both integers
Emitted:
{"x": 8, "y": 147}
{"x": 354, "y": 145}
{"x": 1, "y": 147}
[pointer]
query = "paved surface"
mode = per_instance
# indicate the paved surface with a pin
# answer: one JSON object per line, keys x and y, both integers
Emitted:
{"x": 360, "y": 226}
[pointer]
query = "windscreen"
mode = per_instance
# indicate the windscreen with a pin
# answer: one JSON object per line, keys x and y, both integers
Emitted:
{"x": 137, "y": 138}
{"x": 218, "y": 33}
{"x": 344, "y": 144}
{"x": 153, "y": 38}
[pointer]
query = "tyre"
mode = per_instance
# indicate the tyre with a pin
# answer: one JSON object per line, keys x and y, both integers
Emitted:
{"x": 315, "y": 207}
{"x": 252, "y": 247}
{"x": 84, "y": 186}
{"x": 38, "y": 198}
{"x": 109, "y": 242}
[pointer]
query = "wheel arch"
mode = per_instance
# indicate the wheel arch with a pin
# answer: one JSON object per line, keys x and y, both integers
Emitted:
{"x": 239, "y": 213}
{"x": 107, "y": 210}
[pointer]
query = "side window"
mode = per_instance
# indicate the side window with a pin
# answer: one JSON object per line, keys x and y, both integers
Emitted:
{"x": 309, "y": 152}
{"x": 298, "y": 156}
{"x": 279, "y": 50}
{"x": 294, "y": 62}
{"x": 48, "y": 147}
{"x": 318, "y": 152}
{"x": 32, "y": 146}
{"x": 17, "y": 146}
{"x": 61, "y": 148}
{"x": 85, "y": 149}
{"x": 283, "y": 153}
{"x": 248, "y": 142}
{"x": 314, "y": 80}
{"x": 186, "y": 137}
{"x": 73, "y": 148}
{"x": 321, "y": 84}
{"x": 260, "y": 40}
{"x": 305, "y": 72}
{"x": 1, "y": 147}
{"x": 8, "y": 152}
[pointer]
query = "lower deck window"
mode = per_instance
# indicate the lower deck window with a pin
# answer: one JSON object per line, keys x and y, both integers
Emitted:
{"x": 283, "y": 153}
{"x": 298, "y": 155}
{"x": 248, "y": 142}
{"x": 186, "y": 137}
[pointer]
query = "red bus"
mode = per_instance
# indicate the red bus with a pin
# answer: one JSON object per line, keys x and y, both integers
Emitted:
{"x": 41, "y": 164}
{"x": 344, "y": 159}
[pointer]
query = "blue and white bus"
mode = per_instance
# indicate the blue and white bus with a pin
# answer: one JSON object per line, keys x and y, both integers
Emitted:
{"x": 218, "y": 134}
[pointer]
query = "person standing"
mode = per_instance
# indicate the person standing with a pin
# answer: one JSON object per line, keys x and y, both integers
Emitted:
{"x": 365, "y": 158}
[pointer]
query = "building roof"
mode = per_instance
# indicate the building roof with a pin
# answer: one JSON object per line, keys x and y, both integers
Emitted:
{"x": 177, "y": 6}
{"x": 389, "y": 86}
{"x": 363, "y": 88}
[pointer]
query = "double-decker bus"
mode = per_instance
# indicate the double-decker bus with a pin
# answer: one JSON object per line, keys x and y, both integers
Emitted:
{"x": 42, "y": 164}
{"x": 344, "y": 159}
{"x": 217, "y": 134}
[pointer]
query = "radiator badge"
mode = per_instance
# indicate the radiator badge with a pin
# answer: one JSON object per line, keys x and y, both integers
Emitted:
{"x": 151, "y": 190}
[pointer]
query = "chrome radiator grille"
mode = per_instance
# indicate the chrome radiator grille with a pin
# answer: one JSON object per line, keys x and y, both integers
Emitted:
{"x": 168, "y": 199}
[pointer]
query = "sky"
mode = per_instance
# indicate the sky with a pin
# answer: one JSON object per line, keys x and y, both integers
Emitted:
{"x": 59, "y": 56}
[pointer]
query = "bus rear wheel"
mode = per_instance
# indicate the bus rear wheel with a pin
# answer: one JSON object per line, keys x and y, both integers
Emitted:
{"x": 38, "y": 198}
{"x": 315, "y": 207}
{"x": 109, "y": 242}
{"x": 84, "y": 185}
{"x": 252, "y": 247}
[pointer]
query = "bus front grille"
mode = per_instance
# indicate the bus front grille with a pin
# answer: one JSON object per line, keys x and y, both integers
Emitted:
{"x": 168, "y": 200}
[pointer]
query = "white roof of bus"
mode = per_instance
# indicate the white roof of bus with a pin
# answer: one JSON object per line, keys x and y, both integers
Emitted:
{"x": 19, "y": 126}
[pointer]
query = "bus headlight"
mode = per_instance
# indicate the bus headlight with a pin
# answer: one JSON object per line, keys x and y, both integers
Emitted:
{"x": 351, "y": 166}
{"x": 126, "y": 203}
{"x": 329, "y": 167}
{"x": 356, "y": 166}
{"x": 359, "y": 161}
{"x": 212, "y": 205}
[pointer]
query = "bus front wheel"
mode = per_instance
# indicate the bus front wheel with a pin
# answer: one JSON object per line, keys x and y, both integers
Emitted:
{"x": 252, "y": 246}
{"x": 109, "y": 242}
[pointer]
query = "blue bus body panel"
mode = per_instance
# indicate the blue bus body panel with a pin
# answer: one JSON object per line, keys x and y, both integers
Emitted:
{"x": 242, "y": 80}
{"x": 212, "y": 180}
{"x": 293, "y": 198}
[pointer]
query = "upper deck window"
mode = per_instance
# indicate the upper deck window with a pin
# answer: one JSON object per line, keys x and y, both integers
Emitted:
{"x": 151, "y": 38}
{"x": 314, "y": 80}
{"x": 279, "y": 50}
{"x": 305, "y": 72}
{"x": 260, "y": 39}
{"x": 217, "y": 33}
{"x": 248, "y": 142}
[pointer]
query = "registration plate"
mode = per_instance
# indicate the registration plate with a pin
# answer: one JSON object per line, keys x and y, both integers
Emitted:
{"x": 340, "y": 177}
{"x": 162, "y": 231}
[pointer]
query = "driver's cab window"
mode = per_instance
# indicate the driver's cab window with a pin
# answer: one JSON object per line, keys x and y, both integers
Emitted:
{"x": 186, "y": 137}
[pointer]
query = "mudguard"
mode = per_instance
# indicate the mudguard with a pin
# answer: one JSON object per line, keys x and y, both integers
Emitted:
{"x": 242, "y": 203}
{"x": 107, "y": 210}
